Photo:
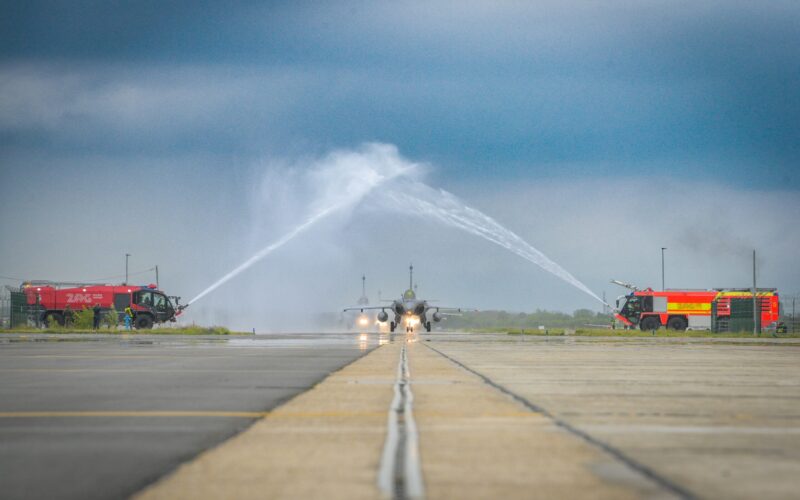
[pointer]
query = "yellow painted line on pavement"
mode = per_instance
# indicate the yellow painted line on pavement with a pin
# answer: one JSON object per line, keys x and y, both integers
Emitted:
{"x": 244, "y": 414}
{"x": 148, "y": 370}
{"x": 181, "y": 414}
{"x": 62, "y": 414}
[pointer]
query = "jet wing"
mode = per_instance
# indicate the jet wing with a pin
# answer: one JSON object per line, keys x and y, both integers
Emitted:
{"x": 451, "y": 311}
{"x": 367, "y": 308}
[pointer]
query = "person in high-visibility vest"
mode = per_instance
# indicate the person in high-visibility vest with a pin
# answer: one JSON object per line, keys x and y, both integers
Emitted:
{"x": 128, "y": 317}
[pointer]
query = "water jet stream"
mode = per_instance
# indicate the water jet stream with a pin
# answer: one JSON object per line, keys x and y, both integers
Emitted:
{"x": 351, "y": 197}
{"x": 360, "y": 172}
{"x": 446, "y": 208}
{"x": 267, "y": 250}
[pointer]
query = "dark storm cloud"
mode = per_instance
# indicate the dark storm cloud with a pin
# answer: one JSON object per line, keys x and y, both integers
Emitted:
{"x": 599, "y": 131}
{"x": 516, "y": 87}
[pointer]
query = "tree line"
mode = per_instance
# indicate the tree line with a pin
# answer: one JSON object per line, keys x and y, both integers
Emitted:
{"x": 505, "y": 319}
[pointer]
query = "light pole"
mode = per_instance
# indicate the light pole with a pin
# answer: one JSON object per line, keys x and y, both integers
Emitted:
{"x": 756, "y": 326}
{"x": 662, "y": 268}
{"x": 126, "y": 267}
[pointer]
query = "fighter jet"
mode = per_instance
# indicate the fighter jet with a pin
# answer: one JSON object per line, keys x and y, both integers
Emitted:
{"x": 360, "y": 321}
{"x": 409, "y": 309}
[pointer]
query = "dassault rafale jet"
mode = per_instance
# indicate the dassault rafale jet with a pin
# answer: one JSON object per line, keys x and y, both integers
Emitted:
{"x": 360, "y": 321}
{"x": 409, "y": 309}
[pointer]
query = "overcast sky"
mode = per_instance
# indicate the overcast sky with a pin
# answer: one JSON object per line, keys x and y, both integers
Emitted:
{"x": 598, "y": 131}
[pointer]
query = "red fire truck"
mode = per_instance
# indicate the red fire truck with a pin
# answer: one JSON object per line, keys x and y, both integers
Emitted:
{"x": 682, "y": 309}
{"x": 54, "y": 302}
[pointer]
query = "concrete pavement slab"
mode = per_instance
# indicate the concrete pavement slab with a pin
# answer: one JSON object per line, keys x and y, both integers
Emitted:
{"x": 477, "y": 442}
{"x": 719, "y": 418}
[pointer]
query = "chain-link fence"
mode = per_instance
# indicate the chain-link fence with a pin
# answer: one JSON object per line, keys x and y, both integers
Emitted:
{"x": 5, "y": 307}
{"x": 789, "y": 305}
{"x": 14, "y": 309}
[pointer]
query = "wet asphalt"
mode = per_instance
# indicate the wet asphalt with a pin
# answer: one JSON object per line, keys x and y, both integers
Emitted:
{"x": 90, "y": 454}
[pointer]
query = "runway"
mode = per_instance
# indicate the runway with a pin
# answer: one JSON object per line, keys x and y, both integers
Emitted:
{"x": 685, "y": 418}
{"x": 103, "y": 416}
{"x": 494, "y": 416}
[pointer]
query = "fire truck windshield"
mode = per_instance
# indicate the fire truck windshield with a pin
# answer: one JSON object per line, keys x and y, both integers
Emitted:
{"x": 154, "y": 300}
{"x": 159, "y": 302}
{"x": 632, "y": 307}
{"x": 162, "y": 303}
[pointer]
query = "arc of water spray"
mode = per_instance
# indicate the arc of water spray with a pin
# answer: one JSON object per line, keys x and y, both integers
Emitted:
{"x": 268, "y": 250}
{"x": 326, "y": 212}
{"x": 445, "y": 208}
{"x": 449, "y": 210}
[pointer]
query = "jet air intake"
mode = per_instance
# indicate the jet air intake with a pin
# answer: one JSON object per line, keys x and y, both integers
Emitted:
{"x": 437, "y": 316}
{"x": 383, "y": 316}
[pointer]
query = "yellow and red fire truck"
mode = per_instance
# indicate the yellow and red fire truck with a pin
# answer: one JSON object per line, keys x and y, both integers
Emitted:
{"x": 694, "y": 309}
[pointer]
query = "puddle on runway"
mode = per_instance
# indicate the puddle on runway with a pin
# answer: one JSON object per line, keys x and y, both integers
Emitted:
{"x": 282, "y": 340}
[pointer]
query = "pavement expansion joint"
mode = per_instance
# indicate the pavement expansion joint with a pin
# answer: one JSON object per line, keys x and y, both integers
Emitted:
{"x": 641, "y": 469}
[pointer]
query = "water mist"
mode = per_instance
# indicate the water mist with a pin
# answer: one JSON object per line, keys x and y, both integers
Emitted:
{"x": 343, "y": 179}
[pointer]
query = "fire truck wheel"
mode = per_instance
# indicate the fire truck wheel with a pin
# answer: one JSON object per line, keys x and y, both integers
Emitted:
{"x": 677, "y": 323}
{"x": 650, "y": 323}
{"x": 144, "y": 322}
{"x": 54, "y": 318}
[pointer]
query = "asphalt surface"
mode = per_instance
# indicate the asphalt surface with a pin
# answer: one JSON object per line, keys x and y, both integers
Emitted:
{"x": 101, "y": 417}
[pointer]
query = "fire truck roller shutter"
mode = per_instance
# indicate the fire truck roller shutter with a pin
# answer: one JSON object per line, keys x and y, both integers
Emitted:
{"x": 121, "y": 301}
{"x": 697, "y": 322}
{"x": 660, "y": 304}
